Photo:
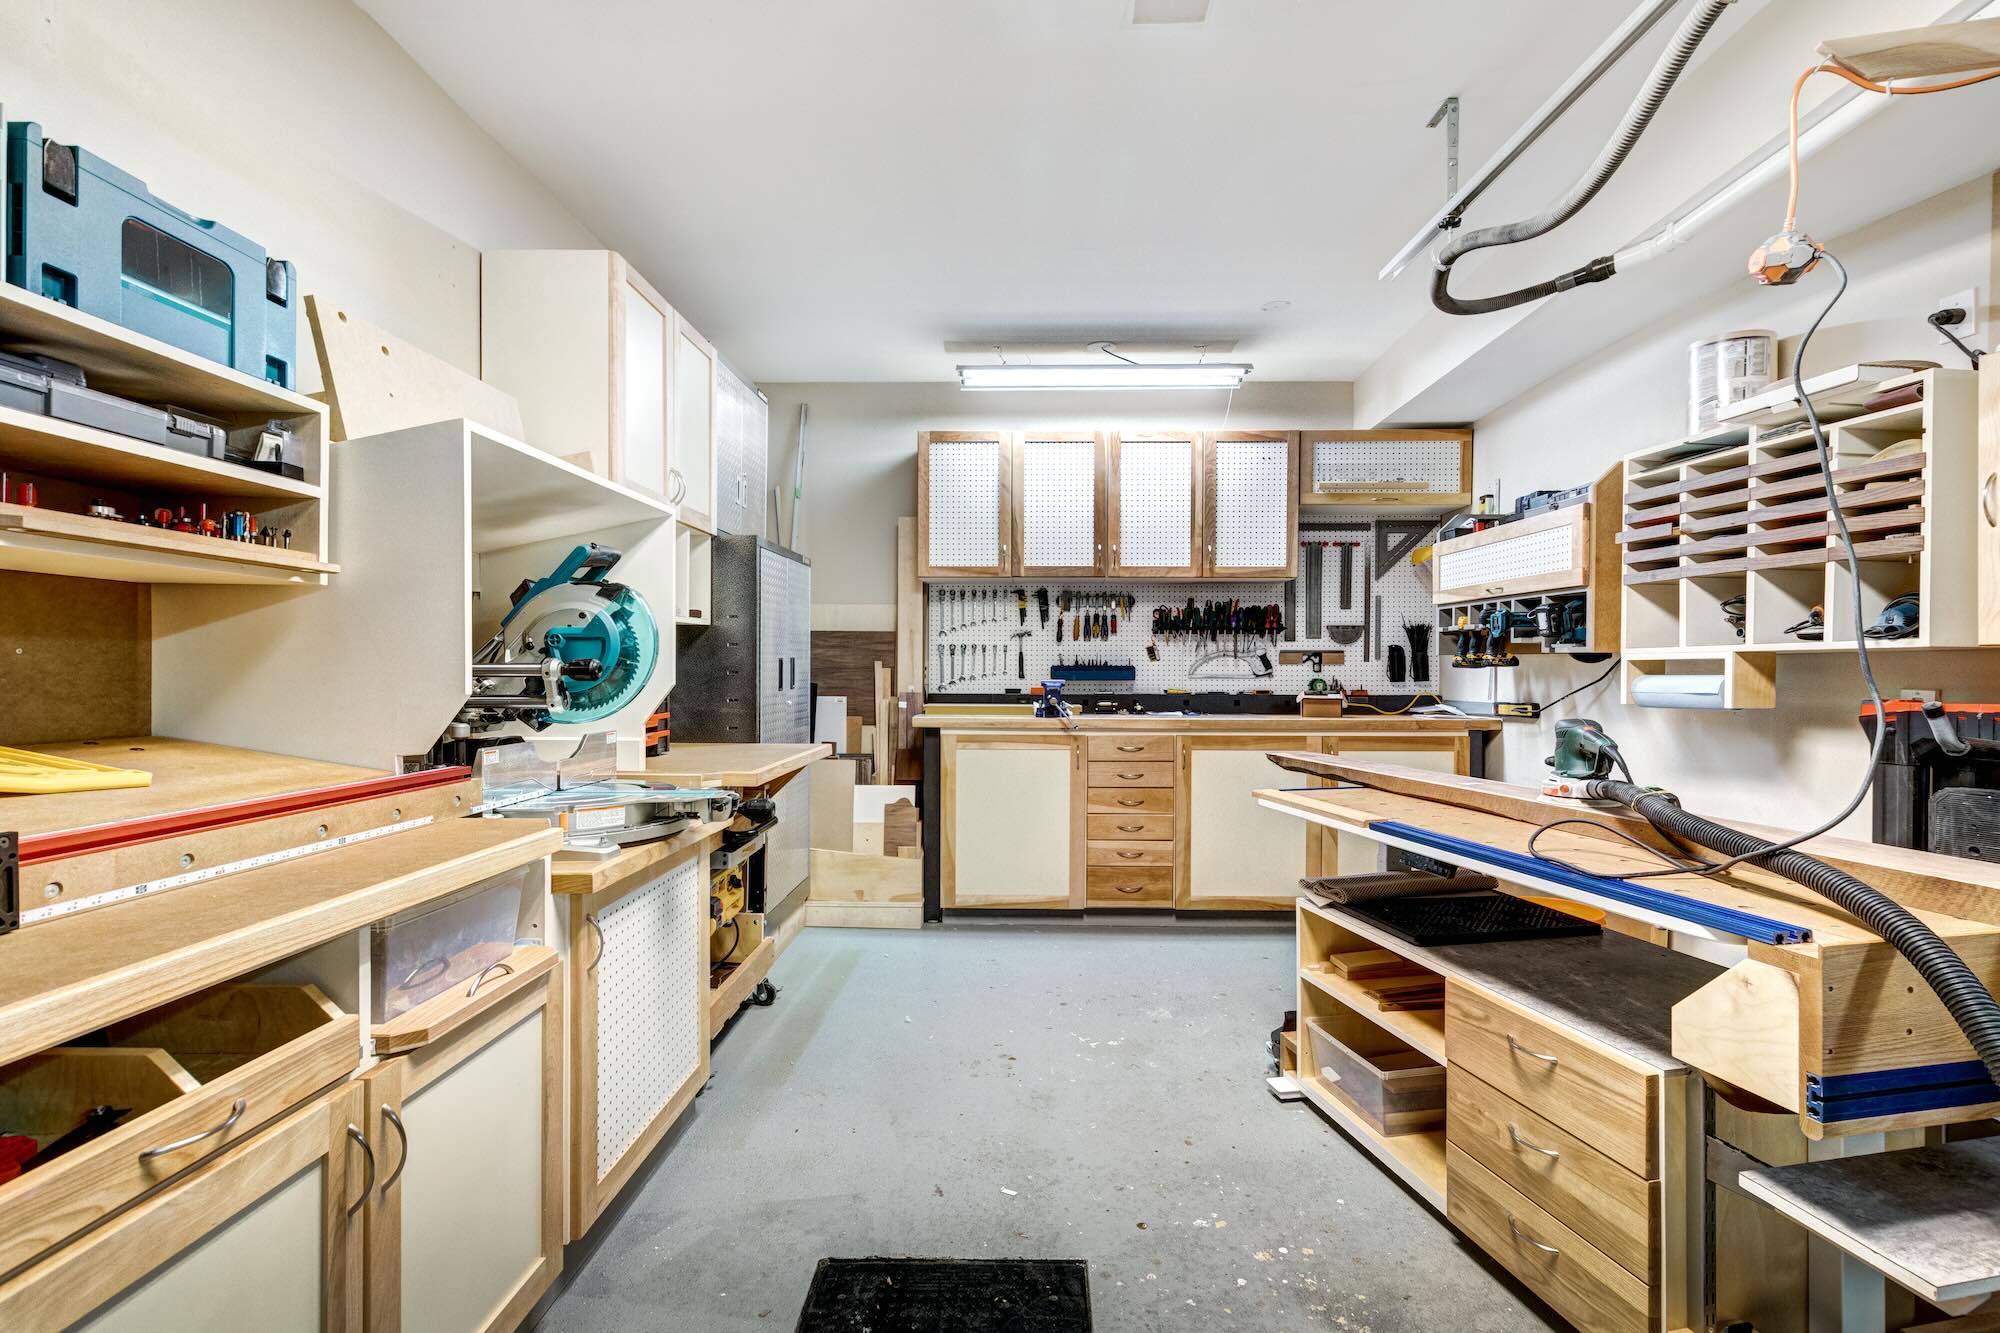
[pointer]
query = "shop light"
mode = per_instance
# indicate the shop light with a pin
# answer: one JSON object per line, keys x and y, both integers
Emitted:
{"x": 1108, "y": 375}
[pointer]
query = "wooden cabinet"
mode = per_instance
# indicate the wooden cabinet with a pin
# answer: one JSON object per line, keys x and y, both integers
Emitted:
{"x": 1385, "y": 469}
{"x": 267, "y": 1236}
{"x": 1059, "y": 503}
{"x": 1013, "y": 818}
{"x": 465, "y": 1225}
{"x": 1154, "y": 505}
{"x": 691, "y": 439}
{"x": 963, "y": 479}
{"x": 1251, "y": 505}
{"x": 1234, "y": 854}
{"x": 639, "y": 1023}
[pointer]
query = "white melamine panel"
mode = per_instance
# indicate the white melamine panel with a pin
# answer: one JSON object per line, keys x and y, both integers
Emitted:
{"x": 642, "y": 391}
{"x": 1252, "y": 504}
{"x": 1155, "y": 504}
{"x": 788, "y": 853}
{"x": 964, "y": 503}
{"x": 260, "y": 1270}
{"x": 545, "y": 337}
{"x": 1530, "y": 555}
{"x": 652, "y": 1017}
{"x": 472, "y": 1191}
{"x": 1236, "y": 847}
{"x": 1026, "y": 853}
{"x": 1059, "y": 503}
{"x": 693, "y": 439}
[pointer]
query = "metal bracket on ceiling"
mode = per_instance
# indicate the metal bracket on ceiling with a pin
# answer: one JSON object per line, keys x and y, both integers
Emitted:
{"x": 1448, "y": 113}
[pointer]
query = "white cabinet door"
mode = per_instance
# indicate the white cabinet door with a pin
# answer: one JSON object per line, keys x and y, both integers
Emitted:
{"x": 1154, "y": 484}
{"x": 1013, "y": 823}
{"x": 640, "y": 368}
{"x": 741, "y": 440}
{"x": 962, "y": 519}
{"x": 1252, "y": 505}
{"x": 1239, "y": 854}
{"x": 692, "y": 442}
{"x": 1059, "y": 503}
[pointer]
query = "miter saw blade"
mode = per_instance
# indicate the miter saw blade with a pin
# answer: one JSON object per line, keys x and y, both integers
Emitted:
{"x": 608, "y": 624}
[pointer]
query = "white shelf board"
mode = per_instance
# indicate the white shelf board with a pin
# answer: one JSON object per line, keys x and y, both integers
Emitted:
{"x": 522, "y": 495}
{"x": 1417, "y": 1158}
{"x": 52, "y": 448}
{"x": 42, "y": 553}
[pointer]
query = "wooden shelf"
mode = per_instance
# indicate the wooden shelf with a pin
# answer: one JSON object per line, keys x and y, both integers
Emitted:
{"x": 520, "y": 495}
{"x": 1418, "y": 1159}
{"x": 48, "y": 447}
{"x": 47, "y": 541}
{"x": 1421, "y": 1028}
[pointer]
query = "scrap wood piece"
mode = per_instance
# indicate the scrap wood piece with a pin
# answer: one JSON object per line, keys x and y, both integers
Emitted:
{"x": 377, "y": 382}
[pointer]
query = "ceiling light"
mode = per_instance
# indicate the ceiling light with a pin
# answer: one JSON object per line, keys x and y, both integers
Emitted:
{"x": 1110, "y": 375}
{"x": 1169, "y": 11}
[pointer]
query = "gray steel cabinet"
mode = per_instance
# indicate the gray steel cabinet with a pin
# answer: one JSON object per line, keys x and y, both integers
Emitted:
{"x": 747, "y": 676}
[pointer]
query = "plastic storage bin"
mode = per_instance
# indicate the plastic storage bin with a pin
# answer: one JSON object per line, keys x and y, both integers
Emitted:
{"x": 1394, "y": 1088}
{"x": 423, "y": 952}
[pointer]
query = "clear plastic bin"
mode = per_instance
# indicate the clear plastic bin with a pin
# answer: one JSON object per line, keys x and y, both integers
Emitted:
{"x": 423, "y": 952}
{"x": 1394, "y": 1088}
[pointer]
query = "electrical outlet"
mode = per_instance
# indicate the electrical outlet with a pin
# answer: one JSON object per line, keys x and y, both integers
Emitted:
{"x": 1920, "y": 696}
{"x": 1968, "y": 301}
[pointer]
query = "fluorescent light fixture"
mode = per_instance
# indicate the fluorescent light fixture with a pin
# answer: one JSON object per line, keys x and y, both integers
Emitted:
{"x": 1108, "y": 375}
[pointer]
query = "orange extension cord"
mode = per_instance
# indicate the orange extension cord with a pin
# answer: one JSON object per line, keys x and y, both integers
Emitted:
{"x": 1792, "y": 204}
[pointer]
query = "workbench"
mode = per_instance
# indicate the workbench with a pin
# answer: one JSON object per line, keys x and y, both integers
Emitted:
{"x": 752, "y": 768}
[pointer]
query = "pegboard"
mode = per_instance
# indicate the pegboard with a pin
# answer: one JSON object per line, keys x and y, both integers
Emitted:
{"x": 1252, "y": 502}
{"x": 964, "y": 503}
{"x": 1530, "y": 555}
{"x": 1155, "y": 500}
{"x": 1348, "y": 464}
{"x": 1058, "y": 503}
{"x": 971, "y": 617}
{"x": 651, "y": 1005}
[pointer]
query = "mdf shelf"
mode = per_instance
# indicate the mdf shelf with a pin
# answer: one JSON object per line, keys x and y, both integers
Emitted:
{"x": 47, "y": 541}
{"x": 1421, "y": 1028}
{"x": 519, "y": 495}
{"x": 51, "y": 448}
{"x": 1417, "y": 1159}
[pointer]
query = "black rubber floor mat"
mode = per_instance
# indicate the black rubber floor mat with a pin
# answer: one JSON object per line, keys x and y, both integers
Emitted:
{"x": 948, "y": 1296}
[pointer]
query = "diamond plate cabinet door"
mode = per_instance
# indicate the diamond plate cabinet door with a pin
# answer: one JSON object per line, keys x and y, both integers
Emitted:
{"x": 1154, "y": 511}
{"x": 1252, "y": 504}
{"x": 1059, "y": 500}
{"x": 963, "y": 482}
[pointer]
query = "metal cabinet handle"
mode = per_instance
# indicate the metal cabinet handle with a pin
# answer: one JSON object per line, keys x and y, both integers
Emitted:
{"x": 235, "y": 1114}
{"x": 1131, "y": 749}
{"x": 1986, "y": 505}
{"x": 1131, "y": 888}
{"x": 590, "y": 919}
{"x": 368, "y": 1183}
{"x": 677, "y": 486}
{"x": 402, "y": 1137}
{"x": 1131, "y": 828}
{"x": 1519, "y": 1142}
{"x": 1514, "y": 1229}
{"x": 490, "y": 969}
{"x": 1131, "y": 777}
{"x": 1518, "y": 1049}
{"x": 1130, "y": 856}
{"x": 1130, "y": 804}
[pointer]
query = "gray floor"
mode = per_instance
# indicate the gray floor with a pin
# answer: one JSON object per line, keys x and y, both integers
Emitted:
{"x": 1058, "y": 1090}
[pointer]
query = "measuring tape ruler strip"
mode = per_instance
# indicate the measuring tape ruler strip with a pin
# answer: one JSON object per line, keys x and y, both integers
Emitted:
{"x": 31, "y": 915}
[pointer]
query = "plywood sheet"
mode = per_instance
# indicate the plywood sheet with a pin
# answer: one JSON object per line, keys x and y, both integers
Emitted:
{"x": 78, "y": 663}
{"x": 376, "y": 382}
{"x": 832, "y": 789}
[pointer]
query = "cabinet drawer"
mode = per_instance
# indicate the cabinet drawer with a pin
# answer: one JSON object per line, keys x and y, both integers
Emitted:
{"x": 1601, "y": 1098}
{"x": 1124, "y": 749}
{"x": 1600, "y": 1200}
{"x": 1131, "y": 854}
{"x": 1131, "y": 773}
{"x": 1138, "y": 886}
{"x": 199, "y": 1074}
{"x": 1131, "y": 800}
{"x": 1568, "y": 1272}
{"x": 1127, "y": 828}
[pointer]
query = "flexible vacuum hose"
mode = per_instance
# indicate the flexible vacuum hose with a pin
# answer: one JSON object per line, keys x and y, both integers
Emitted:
{"x": 1638, "y": 116}
{"x": 1969, "y": 1002}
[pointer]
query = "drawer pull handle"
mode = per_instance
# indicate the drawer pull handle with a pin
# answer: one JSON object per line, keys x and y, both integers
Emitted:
{"x": 1130, "y": 804}
{"x": 1131, "y": 749}
{"x": 1519, "y": 1049}
{"x": 368, "y": 1181}
{"x": 402, "y": 1137}
{"x": 1131, "y": 828}
{"x": 502, "y": 966}
{"x": 428, "y": 970}
{"x": 591, "y": 919}
{"x": 1131, "y": 888}
{"x": 235, "y": 1114}
{"x": 1514, "y": 1230}
{"x": 1131, "y": 777}
{"x": 1130, "y": 856}
{"x": 1531, "y": 1146}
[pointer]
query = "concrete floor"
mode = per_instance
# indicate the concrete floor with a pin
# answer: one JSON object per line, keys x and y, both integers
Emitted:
{"x": 1054, "y": 1090}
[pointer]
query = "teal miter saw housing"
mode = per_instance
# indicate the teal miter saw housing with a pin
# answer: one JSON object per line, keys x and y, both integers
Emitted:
{"x": 573, "y": 647}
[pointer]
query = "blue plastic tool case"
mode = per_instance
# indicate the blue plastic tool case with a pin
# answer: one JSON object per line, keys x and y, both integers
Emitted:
{"x": 82, "y": 232}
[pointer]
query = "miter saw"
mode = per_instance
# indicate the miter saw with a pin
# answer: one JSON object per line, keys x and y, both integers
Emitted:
{"x": 598, "y": 811}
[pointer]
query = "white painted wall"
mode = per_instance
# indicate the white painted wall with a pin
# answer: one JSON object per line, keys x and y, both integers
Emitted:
{"x": 861, "y": 460}
{"x": 300, "y": 124}
{"x": 1795, "y": 764}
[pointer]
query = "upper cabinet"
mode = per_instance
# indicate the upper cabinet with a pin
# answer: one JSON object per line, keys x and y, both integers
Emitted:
{"x": 1059, "y": 498}
{"x": 962, "y": 507}
{"x": 742, "y": 454}
{"x": 1386, "y": 469}
{"x": 1155, "y": 510}
{"x": 691, "y": 442}
{"x": 1252, "y": 505}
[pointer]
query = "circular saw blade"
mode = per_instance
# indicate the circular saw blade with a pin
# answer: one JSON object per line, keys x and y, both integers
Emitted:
{"x": 580, "y": 623}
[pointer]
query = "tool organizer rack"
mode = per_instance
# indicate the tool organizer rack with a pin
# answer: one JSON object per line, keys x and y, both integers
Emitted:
{"x": 1740, "y": 511}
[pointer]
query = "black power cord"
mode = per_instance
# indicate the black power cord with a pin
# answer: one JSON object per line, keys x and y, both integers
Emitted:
{"x": 1944, "y": 321}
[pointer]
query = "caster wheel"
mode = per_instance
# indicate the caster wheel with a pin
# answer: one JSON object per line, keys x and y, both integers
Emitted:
{"x": 764, "y": 995}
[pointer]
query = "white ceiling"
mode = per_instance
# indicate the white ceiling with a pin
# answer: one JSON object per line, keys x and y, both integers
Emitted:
{"x": 831, "y": 191}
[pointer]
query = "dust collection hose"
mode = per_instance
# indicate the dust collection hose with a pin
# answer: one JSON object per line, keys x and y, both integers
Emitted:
{"x": 1969, "y": 1002}
{"x": 1638, "y": 116}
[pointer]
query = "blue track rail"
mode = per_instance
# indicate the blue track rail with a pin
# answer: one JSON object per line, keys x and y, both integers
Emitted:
{"x": 1833, "y": 1098}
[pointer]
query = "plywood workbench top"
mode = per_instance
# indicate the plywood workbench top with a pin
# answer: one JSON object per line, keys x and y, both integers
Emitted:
{"x": 576, "y": 873}
{"x": 730, "y": 765}
{"x": 1265, "y": 724}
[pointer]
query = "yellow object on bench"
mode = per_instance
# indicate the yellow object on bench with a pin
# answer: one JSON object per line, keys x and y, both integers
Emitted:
{"x": 25, "y": 773}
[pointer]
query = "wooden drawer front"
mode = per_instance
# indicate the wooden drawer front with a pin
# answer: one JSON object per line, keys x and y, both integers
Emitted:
{"x": 1131, "y": 854}
{"x": 1568, "y": 1272}
{"x": 1131, "y": 828}
{"x": 53, "y": 1202}
{"x": 1131, "y": 773}
{"x": 1131, "y": 800}
{"x": 1595, "y": 1095}
{"x": 1138, "y": 886}
{"x": 1125, "y": 749}
{"x": 1600, "y": 1200}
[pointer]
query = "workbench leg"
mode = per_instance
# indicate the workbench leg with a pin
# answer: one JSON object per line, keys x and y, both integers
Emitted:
{"x": 929, "y": 797}
{"x": 1845, "y": 1295}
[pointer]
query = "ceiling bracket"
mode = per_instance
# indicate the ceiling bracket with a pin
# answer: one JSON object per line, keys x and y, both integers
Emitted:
{"x": 1448, "y": 113}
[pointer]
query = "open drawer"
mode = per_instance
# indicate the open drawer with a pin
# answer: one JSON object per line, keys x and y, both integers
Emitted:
{"x": 194, "y": 1077}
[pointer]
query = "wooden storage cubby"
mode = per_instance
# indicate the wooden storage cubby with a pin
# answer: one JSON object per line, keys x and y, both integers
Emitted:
{"x": 1556, "y": 555}
{"x": 1741, "y": 512}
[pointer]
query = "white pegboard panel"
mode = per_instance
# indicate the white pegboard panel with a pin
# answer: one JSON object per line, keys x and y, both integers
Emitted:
{"x": 1549, "y": 551}
{"x": 1058, "y": 503}
{"x": 964, "y": 503}
{"x": 1345, "y": 464}
{"x": 1155, "y": 504}
{"x": 1252, "y": 503}
{"x": 651, "y": 1005}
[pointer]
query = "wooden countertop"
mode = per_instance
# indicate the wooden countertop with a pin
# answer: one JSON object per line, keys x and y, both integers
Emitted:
{"x": 187, "y": 775}
{"x": 1251, "y": 723}
{"x": 584, "y": 875}
{"x": 696, "y": 765}
{"x": 63, "y": 978}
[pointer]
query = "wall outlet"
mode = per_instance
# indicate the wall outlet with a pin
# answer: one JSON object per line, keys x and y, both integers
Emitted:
{"x": 1920, "y": 696}
{"x": 1968, "y": 301}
